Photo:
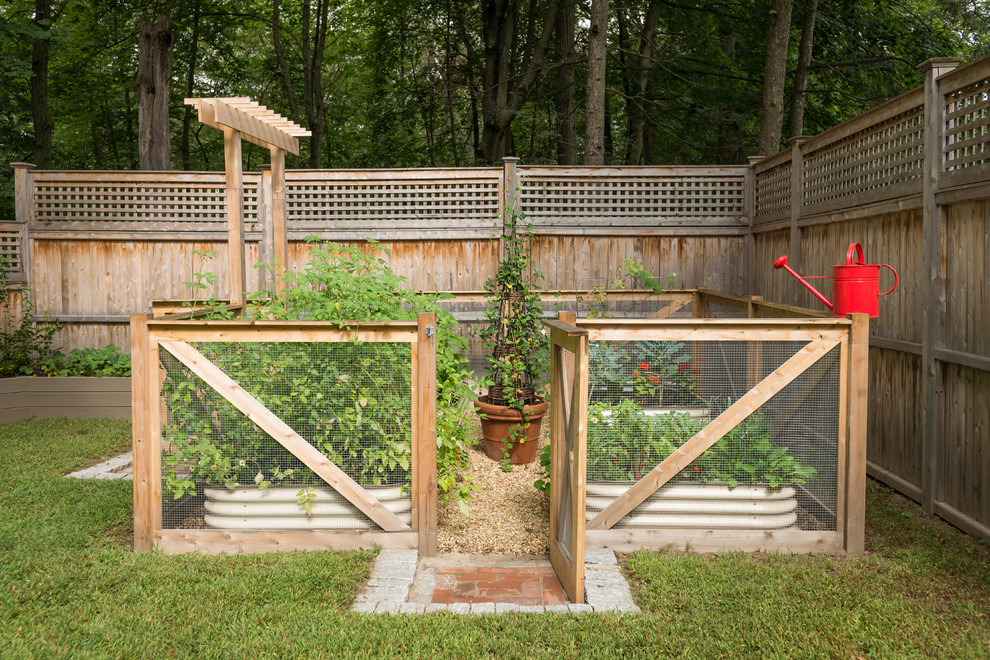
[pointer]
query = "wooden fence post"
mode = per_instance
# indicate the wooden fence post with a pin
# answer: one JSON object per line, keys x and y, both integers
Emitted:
{"x": 510, "y": 185}
{"x": 140, "y": 436}
{"x": 933, "y": 309}
{"x": 426, "y": 435}
{"x": 749, "y": 196}
{"x": 266, "y": 247}
{"x": 234, "y": 186}
{"x": 857, "y": 392}
{"x": 24, "y": 213}
{"x": 280, "y": 240}
{"x": 797, "y": 199}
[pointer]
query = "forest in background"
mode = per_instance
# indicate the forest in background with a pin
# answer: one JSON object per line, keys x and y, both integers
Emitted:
{"x": 434, "y": 83}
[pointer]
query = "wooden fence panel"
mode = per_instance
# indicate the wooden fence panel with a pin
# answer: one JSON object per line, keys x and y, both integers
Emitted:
{"x": 967, "y": 280}
{"x": 966, "y": 446}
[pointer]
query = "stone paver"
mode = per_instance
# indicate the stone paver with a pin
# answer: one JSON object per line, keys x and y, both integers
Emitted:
{"x": 118, "y": 467}
{"x": 402, "y": 583}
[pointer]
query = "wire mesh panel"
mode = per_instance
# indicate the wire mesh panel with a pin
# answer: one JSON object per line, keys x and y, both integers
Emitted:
{"x": 349, "y": 401}
{"x": 776, "y": 469}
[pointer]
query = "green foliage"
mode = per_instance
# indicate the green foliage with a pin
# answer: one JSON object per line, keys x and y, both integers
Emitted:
{"x": 23, "y": 344}
{"x": 353, "y": 399}
{"x": 109, "y": 361}
{"x": 636, "y": 270}
{"x": 625, "y": 443}
{"x": 520, "y": 349}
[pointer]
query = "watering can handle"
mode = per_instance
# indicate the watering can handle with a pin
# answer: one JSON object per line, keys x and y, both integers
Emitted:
{"x": 850, "y": 253}
{"x": 895, "y": 279}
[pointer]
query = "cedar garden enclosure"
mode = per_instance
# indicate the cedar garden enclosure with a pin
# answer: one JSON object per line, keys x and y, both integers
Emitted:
{"x": 910, "y": 180}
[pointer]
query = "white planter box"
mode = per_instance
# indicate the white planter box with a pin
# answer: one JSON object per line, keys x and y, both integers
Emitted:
{"x": 700, "y": 506}
{"x": 278, "y": 508}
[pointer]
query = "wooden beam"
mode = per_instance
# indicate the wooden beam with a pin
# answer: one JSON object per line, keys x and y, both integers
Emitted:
{"x": 716, "y": 540}
{"x": 249, "y": 119}
{"x": 712, "y": 433}
{"x": 858, "y": 391}
{"x": 234, "y": 188}
{"x": 425, "y": 436}
{"x": 210, "y": 542}
{"x": 280, "y": 240}
{"x": 268, "y": 422}
{"x": 141, "y": 402}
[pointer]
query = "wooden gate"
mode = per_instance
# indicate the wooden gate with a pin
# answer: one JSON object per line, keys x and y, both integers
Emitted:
{"x": 153, "y": 339}
{"x": 569, "y": 409}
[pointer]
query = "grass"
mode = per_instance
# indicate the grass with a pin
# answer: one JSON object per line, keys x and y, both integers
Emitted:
{"x": 70, "y": 587}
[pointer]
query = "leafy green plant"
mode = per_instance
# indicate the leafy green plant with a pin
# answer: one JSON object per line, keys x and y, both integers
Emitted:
{"x": 108, "y": 361}
{"x": 23, "y": 343}
{"x": 352, "y": 400}
{"x": 625, "y": 443}
{"x": 636, "y": 270}
{"x": 519, "y": 357}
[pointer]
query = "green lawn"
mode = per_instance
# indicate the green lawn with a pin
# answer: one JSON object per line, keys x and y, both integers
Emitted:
{"x": 70, "y": 587}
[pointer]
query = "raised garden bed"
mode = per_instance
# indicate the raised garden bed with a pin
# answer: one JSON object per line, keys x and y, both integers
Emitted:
{"x": 27, "y": 397}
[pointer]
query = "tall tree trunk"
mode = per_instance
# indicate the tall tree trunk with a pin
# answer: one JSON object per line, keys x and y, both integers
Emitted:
{"x": 314, "y": 43}
{"x": 190, "y": 82}
{"x": 563, "y": 98}
{"x": 504, "y": 88}
{"x": 638, "y": 105}
{"x": 154, "y": 71}
{"x": 778, "y": 37}
{"x": 44, "y": 125}
{"x": 799, "y": 93}
{"x": 594, "y": 129}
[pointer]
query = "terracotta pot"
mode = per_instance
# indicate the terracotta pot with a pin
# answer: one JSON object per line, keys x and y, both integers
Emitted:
{"x": 496, "y": 422}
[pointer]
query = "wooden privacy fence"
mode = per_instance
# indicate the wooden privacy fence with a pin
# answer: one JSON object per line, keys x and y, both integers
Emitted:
{"x": 255, "y": 436}
{"x": 105, "y": 244}
{"x": 910, "y": 181}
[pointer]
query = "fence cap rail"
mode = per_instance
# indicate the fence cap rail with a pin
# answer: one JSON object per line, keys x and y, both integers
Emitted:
{"x": 566, "y": 328}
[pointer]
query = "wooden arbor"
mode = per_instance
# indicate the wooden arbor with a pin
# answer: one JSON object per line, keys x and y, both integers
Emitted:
{"x": 240, "y": 117}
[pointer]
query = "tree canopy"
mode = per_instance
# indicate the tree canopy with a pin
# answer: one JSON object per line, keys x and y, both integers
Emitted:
{"x": 404, "y": 83}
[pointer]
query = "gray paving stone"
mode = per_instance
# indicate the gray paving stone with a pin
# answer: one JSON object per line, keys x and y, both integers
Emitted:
{"x": 502, "y": 608}
{"x": 600, "y": 556}
{"x": 580, "y": 608}
{"x": 482, "y": 608}
{"x": 437, "y": 607}
{"x": 366, "y": 607}
{"x": 558, "y": 608}
{"x": 535, "y": 609}
{"x": 388, "y": 594}
{"x": 460, "y": 608}
{"x": 412, "y": 608}
{"x": 388, "y": 608}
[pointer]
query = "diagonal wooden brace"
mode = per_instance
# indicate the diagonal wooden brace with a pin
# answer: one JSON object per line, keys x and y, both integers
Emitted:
{"x": 716, "y": 429}
{"x": 284, "y": 435}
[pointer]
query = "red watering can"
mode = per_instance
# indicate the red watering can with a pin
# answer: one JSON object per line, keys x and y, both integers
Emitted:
{"x": 857, "y": 284}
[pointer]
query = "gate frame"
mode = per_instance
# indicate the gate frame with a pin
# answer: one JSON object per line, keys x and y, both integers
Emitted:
{"x": 852, "y": 336}
{"x": 147, "y": 333}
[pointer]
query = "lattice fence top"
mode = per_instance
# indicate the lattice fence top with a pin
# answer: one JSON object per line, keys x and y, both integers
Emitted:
{"x": 124, "y": 200}
{"x": 773, "y": 193}
{"x": 885, "y": 158}
{"x": 381, "y": 200}
{"x": 632, "y": 197}
{"x": 967, "y": 127}
{"x": 11, "y": 237}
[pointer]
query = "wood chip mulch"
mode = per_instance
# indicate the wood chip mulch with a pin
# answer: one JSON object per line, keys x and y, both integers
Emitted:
{"x": 507, "y": 516}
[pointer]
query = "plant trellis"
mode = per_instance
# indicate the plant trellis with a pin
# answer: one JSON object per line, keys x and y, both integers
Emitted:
{"x": 240, "y": 117}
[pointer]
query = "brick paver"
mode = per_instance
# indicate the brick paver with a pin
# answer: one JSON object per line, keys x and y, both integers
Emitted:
{"x": 530, "y": 586}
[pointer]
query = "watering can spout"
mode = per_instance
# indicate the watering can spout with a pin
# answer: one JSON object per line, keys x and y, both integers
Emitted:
{"x": 782, "y": 263}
